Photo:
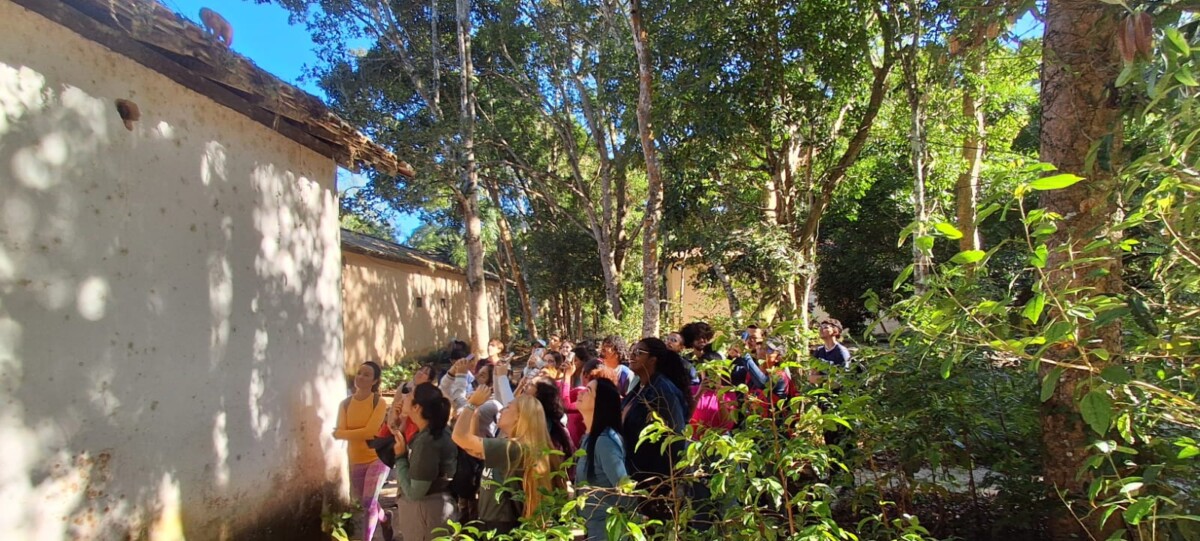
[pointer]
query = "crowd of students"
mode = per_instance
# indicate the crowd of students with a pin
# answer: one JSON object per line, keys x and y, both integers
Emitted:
{"x": 485, "y": 443}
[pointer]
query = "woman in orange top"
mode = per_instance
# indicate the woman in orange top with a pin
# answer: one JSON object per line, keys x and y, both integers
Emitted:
{"x": 358, "y": 420}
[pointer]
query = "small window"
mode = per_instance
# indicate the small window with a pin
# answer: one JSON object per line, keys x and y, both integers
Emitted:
{"x": 420, "y": 302}
{"x": 442, "y": 302}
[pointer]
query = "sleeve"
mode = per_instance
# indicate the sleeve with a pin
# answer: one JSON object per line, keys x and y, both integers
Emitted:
{"x": 485, "y": 419}
{"x": 341, "y": 419}
{"x": 455, "y": 390}
{"x": 610, "y": 455}
{"x": 498, "y": 454}
{"x": 369, "y": 430}
{"x": 564, "y": 390}
{"x": 780, "y": 388}
{"x": 415, "y": 474}
{"x": 670, "y": 410}
{"x": 503, "y": 391}
{"x": 758, "y": 378}
{"x": 845, "y": 355}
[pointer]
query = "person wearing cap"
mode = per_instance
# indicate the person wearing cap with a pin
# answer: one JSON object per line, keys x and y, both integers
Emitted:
{"x": 831, "y": 350}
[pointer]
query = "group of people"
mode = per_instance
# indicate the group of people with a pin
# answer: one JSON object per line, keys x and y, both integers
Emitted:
{"x": 485, "y": 443}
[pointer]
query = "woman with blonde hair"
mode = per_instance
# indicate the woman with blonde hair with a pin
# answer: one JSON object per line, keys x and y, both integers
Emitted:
{"x": 526, "y": 454}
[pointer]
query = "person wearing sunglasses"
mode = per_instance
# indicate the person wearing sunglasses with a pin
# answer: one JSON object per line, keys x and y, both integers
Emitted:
{"x": 662, "y": 391}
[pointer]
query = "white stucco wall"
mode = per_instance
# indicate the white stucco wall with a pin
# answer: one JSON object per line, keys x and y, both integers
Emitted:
{"x": 170, "y": 313}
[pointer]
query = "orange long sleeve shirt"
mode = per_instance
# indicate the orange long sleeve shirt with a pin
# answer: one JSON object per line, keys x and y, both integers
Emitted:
{"x": 358, "y": 423}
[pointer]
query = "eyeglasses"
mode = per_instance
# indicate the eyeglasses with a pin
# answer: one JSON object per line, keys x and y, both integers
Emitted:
{"x": 636, "y": 351}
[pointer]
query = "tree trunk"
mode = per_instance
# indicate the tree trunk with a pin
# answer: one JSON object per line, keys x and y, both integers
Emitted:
{"x": 966, "y": 188}
{"x": 735, "y": 306}
{"x": 476, "y": 285}
{"x": 916, "y": 139}
{"x": 612, "y": 277}
{"x": 552, "y": 317}
{"x": 510, "y": 259}
{"x": 654, "y": 189}
{"x": 1080, "y": 115}
{"x": 505, "y": 323}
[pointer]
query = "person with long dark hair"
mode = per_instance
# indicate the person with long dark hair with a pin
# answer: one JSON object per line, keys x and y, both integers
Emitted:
{"x": 546, "y": 391}
{"x": 358, "y": 421}
{"x": 602, "y": 466}
{"x": 425, "y": 466}
{"x": 663, "y": 391}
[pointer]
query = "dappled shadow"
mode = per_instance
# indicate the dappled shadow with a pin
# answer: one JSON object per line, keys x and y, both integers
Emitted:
{"x": 382, "y": 319}
{"x": 169, "y": 307}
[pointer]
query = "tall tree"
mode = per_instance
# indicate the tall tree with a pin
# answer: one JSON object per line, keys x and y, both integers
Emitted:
{"x": 396, "y": 90}
{"x": 772, "y": 112}
{"x": 913, "y": 90}
{"x": 1081, "y": 119}
{"x": 468, "y": 193}
{"x": 654, "y": 188}
{"x": 508, "y": 253}
{"x": 562, "y": 66}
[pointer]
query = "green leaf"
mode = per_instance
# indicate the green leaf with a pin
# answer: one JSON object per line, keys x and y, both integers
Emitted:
{"x": 1125, "y": 76}
{"x": 968, "y": 256}
{"x": 948, "y": 230}
{"x": 1178, "y": 41}
{"x": 1138, "y": 510}
{"x": 1033, "y": 308}
{"x": 1045, "y": 230}
{"x": 924, "y": 242}
{"x": 1039, "y": 256}
{"x": 946, "y": 364}
{"x": 1117, "y": 375}
{"x": 1055, "y": 182}
{"x": 988, "y": 211}
{"x": 1096, "y": 409}
{"x": 904, "y": 233}
{"x": 904, "y": 274}
{"x": 1184, "y": 76}
{"x": 1050, "y": 382}
{"x": 1131, "y": 487}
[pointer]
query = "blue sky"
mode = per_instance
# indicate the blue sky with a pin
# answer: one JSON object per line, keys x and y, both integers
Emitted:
{"x": 261, "y": 33}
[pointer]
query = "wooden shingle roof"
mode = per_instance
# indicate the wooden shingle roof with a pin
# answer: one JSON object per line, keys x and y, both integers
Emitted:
{"x": 154, "y": 36}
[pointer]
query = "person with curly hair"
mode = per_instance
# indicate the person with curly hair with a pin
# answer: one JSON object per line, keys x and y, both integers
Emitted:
{"x": 613, "y": 353}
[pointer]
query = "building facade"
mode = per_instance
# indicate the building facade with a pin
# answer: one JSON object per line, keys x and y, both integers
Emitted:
{"x": 170, "y": 283}
{"x": 399, "y": 303}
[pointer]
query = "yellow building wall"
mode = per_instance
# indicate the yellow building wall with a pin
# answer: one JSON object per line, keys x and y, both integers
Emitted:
{"x": 381, "y": 319}
{"x": 687, "y": 303}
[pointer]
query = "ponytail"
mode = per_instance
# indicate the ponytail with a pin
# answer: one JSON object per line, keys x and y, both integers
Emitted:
{"x": 435, "y": 408}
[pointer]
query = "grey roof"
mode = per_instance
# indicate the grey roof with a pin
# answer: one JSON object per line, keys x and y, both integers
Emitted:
{"x": 372, "y": 247}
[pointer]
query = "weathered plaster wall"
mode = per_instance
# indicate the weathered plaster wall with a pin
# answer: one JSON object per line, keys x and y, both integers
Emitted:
{"x": 687, "y": 303}
{"x": 382, "y": 321}
{"x": 170, "y": 322}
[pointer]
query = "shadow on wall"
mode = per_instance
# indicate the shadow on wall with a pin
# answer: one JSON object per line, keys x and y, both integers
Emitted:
{"x": 382, "y": 318}
{"x": 169, "y": 315}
